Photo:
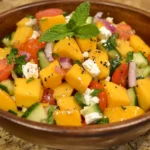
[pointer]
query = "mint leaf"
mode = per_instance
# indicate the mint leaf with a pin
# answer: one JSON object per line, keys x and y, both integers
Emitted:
{"x": 57, "y": 32}
{"x": 12, "y": 55}
{"x": 129, "y": 56}
{"x": 80, "y": 16}
{"x": 87, "y": 31}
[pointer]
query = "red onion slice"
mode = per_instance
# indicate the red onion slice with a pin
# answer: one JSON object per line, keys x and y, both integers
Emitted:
{"x": 49, "y": 50}
{"x": 27, "y": 55}
{"x": 65, "y": 63}
{"x": 132, "y": 74}
{"x": 109, "y": 26}
{"x": 97, "y": 17}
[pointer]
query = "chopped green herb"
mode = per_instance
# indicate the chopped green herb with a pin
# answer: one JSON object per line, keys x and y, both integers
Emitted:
{"x": 30, "y": 16}
{"x": 96, "y": 92}
{"x": 18, "y": 69}
{"x": 12, "y": 55}
{"x": 129, "y": 56}
{"x": 80, "y": 99}
{"x": 124, "y": 108}
{"x": 20, "y": 60}
{"x": 50, "y": 119}
{"x": 29, "y": 80}
{"x": 78, "y": 62}
{"x": 4, "y": 88}
{"x": 114, "y": 63}
{"x": 7, "y": 40}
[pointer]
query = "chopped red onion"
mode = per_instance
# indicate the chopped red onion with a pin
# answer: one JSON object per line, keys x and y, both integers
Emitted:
{"x": 60, "y": 71}
{"x": 27, "y": 55}
{"x": 109, "y": 26}
{"x": 97, "y": 17}
{"x": 132, "y": 74}
{"x": 65, "y": 63}
{"x": 49, "y": 50}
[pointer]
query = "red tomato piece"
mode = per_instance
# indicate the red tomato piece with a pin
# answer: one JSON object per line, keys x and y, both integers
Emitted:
{"x": 5, "y": 69}
{"x": 48, "y": 97}
{"x": 120, "y": 75}
{"x": 102, "y": 95}
{"x": 48, "y": 13}
{"x": 32, "y": 47}
{"x": 124, "y": 31}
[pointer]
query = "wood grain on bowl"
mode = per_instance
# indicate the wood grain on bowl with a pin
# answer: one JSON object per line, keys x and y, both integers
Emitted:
{"x": 86, "y": 137}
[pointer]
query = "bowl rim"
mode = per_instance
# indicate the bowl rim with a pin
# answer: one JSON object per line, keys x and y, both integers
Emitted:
{"x": 89, "y": 130}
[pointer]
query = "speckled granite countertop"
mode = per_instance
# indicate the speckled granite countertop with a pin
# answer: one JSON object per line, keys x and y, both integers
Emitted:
{"x": 10, "y": 142}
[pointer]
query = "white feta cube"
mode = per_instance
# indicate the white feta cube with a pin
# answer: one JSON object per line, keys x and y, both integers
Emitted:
{"x": 92, "y": 117}
{"x": 90, "y": 66}
{"x": 31, "y": 22}
{"x": 35, "y": 35}
{"x": 30, "y": 70}
{"x": 104, "y": 33}
{"x": 94, "y": 100}
{"x": 85, "y": 54}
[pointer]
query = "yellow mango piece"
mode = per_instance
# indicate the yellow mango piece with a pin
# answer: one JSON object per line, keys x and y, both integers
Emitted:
{"x": 116, "y": 114}
{"x": 27, "y": 94}
{"x": 139, "y": 45}
{"x": 62, "y": 90}
{"x": 22, "y": 34}
{"x": 116, "y": 95}
{"x": 68, "y": 103}
{"x": 142, "y": 90}
{"x": 67, "y": 117}
{"x": 87, "y": 44}
{"x": 68, "y": 47}
{"x": 101, "y": 59}
{"x": 50, "y": 78}
{"x": 78, "y": 78}
{"x": 123, "y": 46}
{"x": 4, "y": 52}
{"x": 23, "y": 21}
{"x": 99, "y": 24}
{"x": 48, "y": 22}
{"x": 6, "y": 102}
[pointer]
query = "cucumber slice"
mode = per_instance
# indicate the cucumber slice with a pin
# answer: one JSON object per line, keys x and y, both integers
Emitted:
{"x": 89, "y": 20}
{"x": 142, "y": 72}
{"x": 133, "y": 97}
{"x": 10, "y": 86}
{"x": 36, "y": 112}
{"x": 113, "y": 54}
{"x": 43, "y": 61}
{"x": 140, "y": 59}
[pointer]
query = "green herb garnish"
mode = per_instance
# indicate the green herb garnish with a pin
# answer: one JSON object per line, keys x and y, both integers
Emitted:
{"x": 20, "y": 60}
{"x": 78, "y": 62}
{"x": 129, "y": 56}
{"x": 80, "y": 99}
{"x": 12, "y": 55}
{"x": 103, "y": 120}
{"x": 30, "y": 16}
{"x": 4, "y": 88}
{"x": 76, "y": 26}
{"x": 96, "y": 92}
{"x": 12, "y": 112}
{"x": 29, "y": 80}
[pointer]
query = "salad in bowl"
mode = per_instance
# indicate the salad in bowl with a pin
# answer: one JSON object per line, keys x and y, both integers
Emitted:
{"x": 74, "y": 69}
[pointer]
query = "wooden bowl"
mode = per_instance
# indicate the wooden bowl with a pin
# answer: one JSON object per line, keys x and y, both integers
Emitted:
{"x": 85, "y": 137}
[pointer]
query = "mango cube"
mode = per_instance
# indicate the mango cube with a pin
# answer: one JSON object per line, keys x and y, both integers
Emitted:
{"x": 48, "y": 22}
{"x": 116, "y": 114}
{"x": 142, "y": 90}
{"x": 67, "y": 117}
{"x": 22, "y": 34}
{"x": 26, "y": 93}
{"x": 68, "y": 103}
{"x": 87, "y": 44}
{"x": 50, "y": 78}
{"x": 116, "y": 95}
{"x": 78, "y": 78}
{"x": 62, "y": 90}
{"x": 6, "y": 102}
{"x": 68, "y": 47}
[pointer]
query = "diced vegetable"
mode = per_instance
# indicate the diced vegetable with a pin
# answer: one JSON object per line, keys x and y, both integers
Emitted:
{"x": 116, "y": 114}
